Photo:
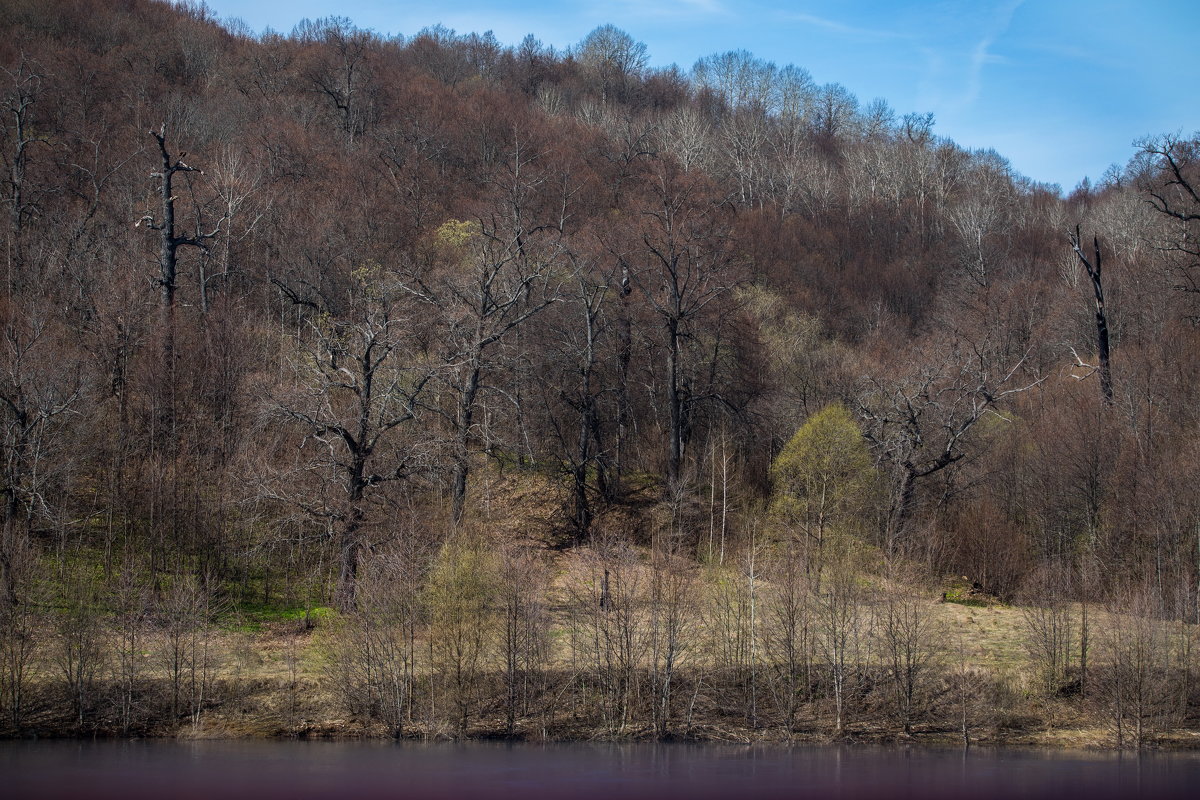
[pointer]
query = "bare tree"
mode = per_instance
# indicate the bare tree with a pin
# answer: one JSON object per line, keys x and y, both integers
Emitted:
{"x": 340, "y": 71}
{"x": 1165, "y": 170}
{"x": 1050, "y": 626}
{"x": 614, "y": 57}
{"x": 526, "y": 640}
{"x": 686, "y": 135}
{"x": 672, "y": 578}
{"x": 19, "y": 646}
{"x": 237, "y": 181}
{"x": 740, "y": 79}
{"x": 464, "y": 625}
{"x": 26, "y": 80}
{"x": 605, "y": 610}
{"x": 1094, "y": 267}
{"x": 376, "y": 656}
{"x": 131, "y": 603}
{"x": 170, "y": 240}
{"x": 495, "y": 273}
{"x": 580, "y": 334}
{"x": 730, "y": 627}
{"x": 911, "y": 643}
{"x": 687, "y": 268}
{"x": 78, "y": 646}
{"x": 920, "y": 425}
{"x": 789, "y": 632}
{"x": 840, "y": 627}
{"x": 355, "y": 387}
{"x": 36, "y": 399}
{"x": 969, "y": 686}
{"x": 184, "y": 645}
{"x": 1137, "y": 681}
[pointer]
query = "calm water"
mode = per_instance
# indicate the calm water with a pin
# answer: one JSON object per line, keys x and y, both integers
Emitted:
{"x": 226, "y": 770}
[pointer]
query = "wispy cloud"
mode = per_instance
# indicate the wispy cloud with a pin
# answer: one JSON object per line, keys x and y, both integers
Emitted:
{"x": 1066, "y": 51}
{"x": 954, "y": 76}
{"x": 842, "y": 28}
{"x": 705, "y": 6}
{"x": 981, "y": 55}
{"x": 664, "y": 9}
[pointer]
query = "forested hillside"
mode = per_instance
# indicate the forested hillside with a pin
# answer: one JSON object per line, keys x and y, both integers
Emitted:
{"x": 530, "y": 376}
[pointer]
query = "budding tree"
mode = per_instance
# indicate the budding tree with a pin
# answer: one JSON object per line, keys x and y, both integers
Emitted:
{"x": 822, "y": 482}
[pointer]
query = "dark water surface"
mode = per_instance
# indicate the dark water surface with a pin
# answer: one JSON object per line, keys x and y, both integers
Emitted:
{"x": 222, "y": 770}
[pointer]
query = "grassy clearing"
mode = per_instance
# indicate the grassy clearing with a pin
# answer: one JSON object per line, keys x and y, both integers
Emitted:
{"x": 993, "y": 636}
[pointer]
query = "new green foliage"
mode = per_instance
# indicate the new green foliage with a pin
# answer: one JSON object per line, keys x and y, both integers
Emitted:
{"x": 823, "y": 481}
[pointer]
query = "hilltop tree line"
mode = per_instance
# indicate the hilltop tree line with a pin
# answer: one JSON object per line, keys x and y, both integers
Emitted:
{"x": 280, "y": 311}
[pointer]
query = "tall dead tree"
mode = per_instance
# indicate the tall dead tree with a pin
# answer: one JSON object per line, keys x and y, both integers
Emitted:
{"x": 1093, "y": 268}
{"x": 169, "y": 240}
{"x": 168, "y": 260}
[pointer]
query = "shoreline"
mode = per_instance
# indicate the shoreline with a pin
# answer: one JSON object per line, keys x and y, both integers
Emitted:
{"x": 255, "y": 716}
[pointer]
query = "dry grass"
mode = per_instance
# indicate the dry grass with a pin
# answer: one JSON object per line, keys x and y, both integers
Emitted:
{"x": 992, "y": 636}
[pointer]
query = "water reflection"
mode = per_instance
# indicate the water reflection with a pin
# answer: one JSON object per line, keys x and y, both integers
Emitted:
{"x": 258, "y": 769}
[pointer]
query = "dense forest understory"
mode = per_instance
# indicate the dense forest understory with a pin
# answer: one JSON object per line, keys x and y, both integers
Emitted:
{"x": 426, "y": 386}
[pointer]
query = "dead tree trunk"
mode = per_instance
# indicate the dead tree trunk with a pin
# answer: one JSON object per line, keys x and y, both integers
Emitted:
{"x": 1093, "y": 268}
{"x": 169, "y": 240}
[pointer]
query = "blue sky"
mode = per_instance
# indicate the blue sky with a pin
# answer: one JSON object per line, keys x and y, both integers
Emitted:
{"x": 1062, "y": 88}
